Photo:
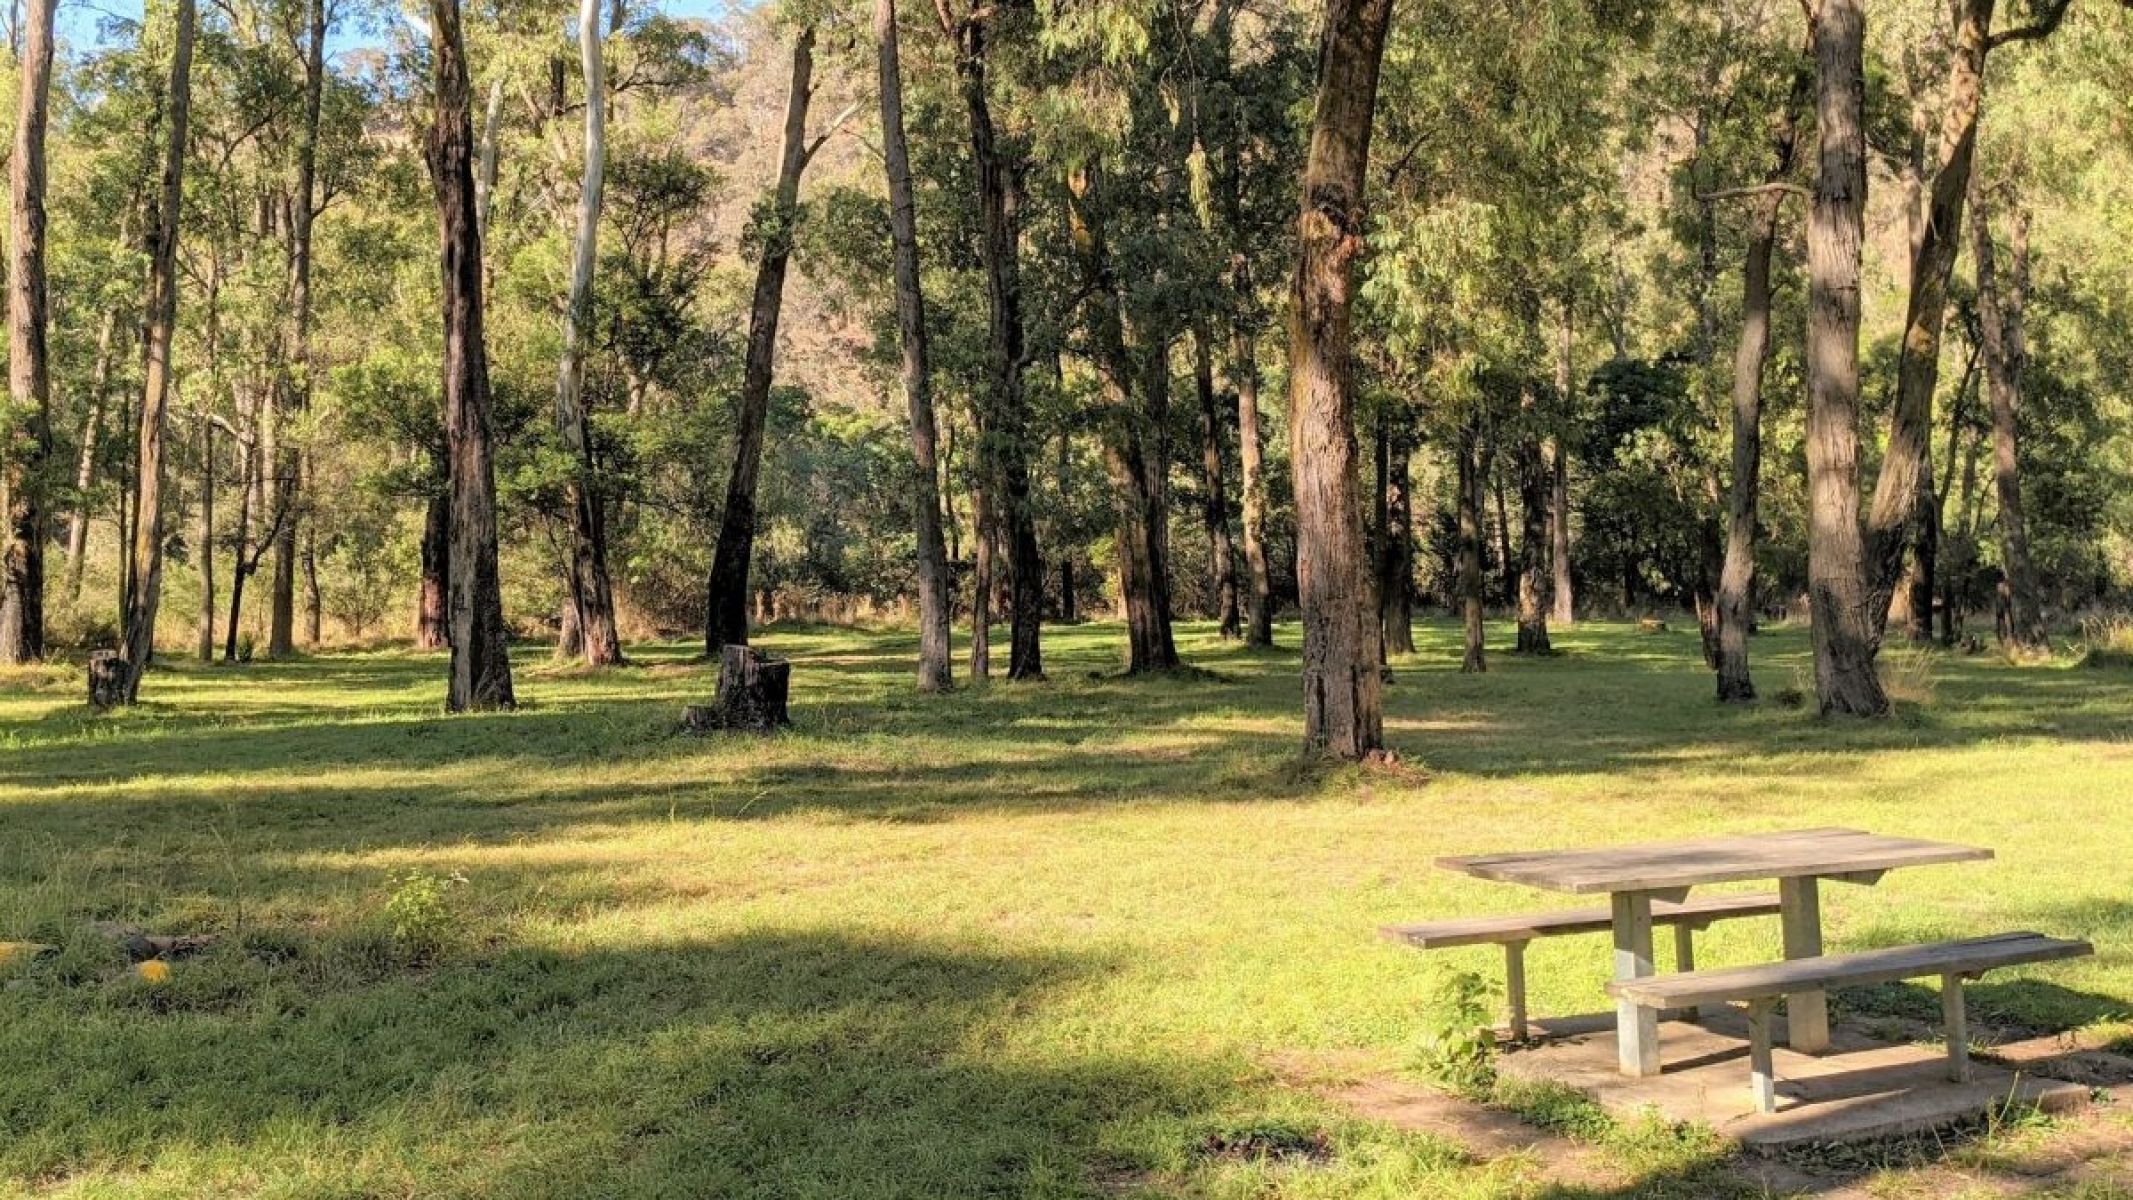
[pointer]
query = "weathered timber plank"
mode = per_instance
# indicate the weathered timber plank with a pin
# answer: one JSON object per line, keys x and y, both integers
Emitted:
{"x": 1658, "y": 865}
{"x": 1525, "y": 927}
{"x": 1965, "y": 957}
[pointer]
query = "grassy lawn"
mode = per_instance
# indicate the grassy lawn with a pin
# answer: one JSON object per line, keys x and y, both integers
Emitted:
{"x": 1037, "y": 941}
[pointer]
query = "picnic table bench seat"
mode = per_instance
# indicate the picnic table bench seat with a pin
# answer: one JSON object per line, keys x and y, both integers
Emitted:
{"x": 1759, "y": 987}
{"x": 1512, "y": 932}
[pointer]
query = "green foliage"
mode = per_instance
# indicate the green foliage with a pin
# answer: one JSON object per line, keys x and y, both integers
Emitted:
{"x": 1457, "y": 1047}
{"x": 420, "y": 912}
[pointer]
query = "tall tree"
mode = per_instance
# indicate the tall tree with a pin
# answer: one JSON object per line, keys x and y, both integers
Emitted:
{"x": 726, "y": 619}
{"x": 145, "y": 573}
{"x": 1004, "y": 434}
{"x": 293, "y": 384}
{"x": 1562, "y": 609}
{"x": 1903, "y": 491}
{"x": 28, "y": 448}
{"x": 1839, "y": 592}
{"x": 1473, "y": 468}
{"x": 1736, "y": 584}
{"x": 592, "y": 593}
{"x": 1128, "y": 439}
{"x": 1214, "y": 482}
{"x": 1535, "y": 485}
{"x": 1343, "y": 707}
{"x": 935, "y": 674}
{"x": 2000, "y": 304}
{"x": 481, "y": 663}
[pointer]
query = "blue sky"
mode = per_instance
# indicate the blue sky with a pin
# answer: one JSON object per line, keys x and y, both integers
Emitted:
{"x": 78, "y": 19}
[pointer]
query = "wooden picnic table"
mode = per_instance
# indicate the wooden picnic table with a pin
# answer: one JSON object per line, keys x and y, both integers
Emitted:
{"x": 1635, "y": 875}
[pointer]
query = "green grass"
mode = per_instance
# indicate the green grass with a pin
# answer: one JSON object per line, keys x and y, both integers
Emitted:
{"x": 1019, "y": 941}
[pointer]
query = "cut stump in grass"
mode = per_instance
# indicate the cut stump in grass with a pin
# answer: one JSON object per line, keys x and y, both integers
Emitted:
{"x": 107, "y": 680}
{"x": 752, "y": 688}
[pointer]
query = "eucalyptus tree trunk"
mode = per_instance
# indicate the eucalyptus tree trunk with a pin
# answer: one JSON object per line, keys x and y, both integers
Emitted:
{"x": 1534, "y": 485}
{"x": 592, "y": 593}
{"x": 1396, "y": 538}
{"x": 1840, "y": 595}
{"x": 92, "y": 428}
{"x": 205, "y": 552}
{"x": 934, "y": 671}
{"x": 293, "y": 390}
{"x": 1142, "y": 587}
{"x": 1221, "y": 554}
{"x": 1004, "y": 419}
{"x": 1343, "y": 705}
{"x": 1259, "y": 585}
{"x": 145, "y": 574}
{"x": 243, "y": 558}
{"x": 1562, "y": 607}
{"x": 432, "y": 618}
{"x": 1473, "y": 473}
{"x": 24, "y": 486}
{"x": 1903, "y": 493}
{"x": 1736, "y": 580}
{"x": 983, "y": 570}
{"x": 481, "y": 665}
{"x": 726, "y": 614}
{"x": 2000, "y": 304}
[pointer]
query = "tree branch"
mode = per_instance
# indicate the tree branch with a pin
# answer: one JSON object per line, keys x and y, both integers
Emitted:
{"x": 1761, "y": 189}
{"x": 2043, "y": 27}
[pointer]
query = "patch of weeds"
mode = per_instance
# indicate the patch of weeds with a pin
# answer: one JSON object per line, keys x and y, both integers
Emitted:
{"x": 420, "y": 912}
{"x": 1457, "y": 1049}
{"x": 1556, "y": 1108}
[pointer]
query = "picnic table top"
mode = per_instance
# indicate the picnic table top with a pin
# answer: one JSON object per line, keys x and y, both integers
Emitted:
{"x": 1650, "y": 866}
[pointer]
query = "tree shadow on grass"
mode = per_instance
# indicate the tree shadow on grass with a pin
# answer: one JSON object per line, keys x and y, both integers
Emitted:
{"x": 758, "y": 1065}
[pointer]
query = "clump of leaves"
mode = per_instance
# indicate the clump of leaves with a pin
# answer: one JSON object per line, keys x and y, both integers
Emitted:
{"x": 420, "y": 911}
{"x": 1458, "y": 1045}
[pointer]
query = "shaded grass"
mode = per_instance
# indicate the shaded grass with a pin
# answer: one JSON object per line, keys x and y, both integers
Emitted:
{"x": 1027, "y": 940}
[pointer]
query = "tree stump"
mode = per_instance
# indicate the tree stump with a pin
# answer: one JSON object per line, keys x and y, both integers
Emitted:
{"x": 751, "y": 694}
{"x": 107, "y": 680}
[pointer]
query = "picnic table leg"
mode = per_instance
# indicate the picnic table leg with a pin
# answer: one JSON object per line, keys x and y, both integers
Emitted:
{"x": 1514, "y": 986}
{"x": 1806, "y": 1013}
{"x": 1636, "y": 1027}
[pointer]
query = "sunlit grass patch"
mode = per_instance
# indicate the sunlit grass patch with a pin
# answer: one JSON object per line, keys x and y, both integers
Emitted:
{"x": 1020, "y": 940}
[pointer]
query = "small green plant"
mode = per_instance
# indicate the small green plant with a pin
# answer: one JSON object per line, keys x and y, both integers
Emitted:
{"x": 420, "y": 910}
{"x": 1458, "y": 1046}
{"x": 244, "y": 647}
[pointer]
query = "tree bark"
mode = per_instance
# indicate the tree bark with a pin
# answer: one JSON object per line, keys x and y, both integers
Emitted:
{"x": 1135, "y": 505}
{"x": 1534, "y": 486}
{"x": 1736, "y": 581}
{"x": 2000, "y": 304}
{"x": 432, "y": 620}
{"x": 1841, "y": 599}
{"x": 1473, "y": 472}
{"x": 1562, "y": 607}
{"x": 934, "y": 671}
{"x": 591, "y": 592}
{"x": 24, "y": 486}
{"x": 1904, "y": 489}
{"x": 1221, "y": 554}
{"x": 1343, "y": 707}
{"x": 1396, "y": 538}
{"x": 85, "y": 457}
{"x": 1004, "y": 419}
{"x": 205, "y": 552}
{"x": 1259, "y": 586}
{"x": 981, "y": 583}
{"x": 294, "y": 383}
{"x": 481, "y": 665}
{"x": 146, "y": 570}
{"x": 727, "y": 610}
